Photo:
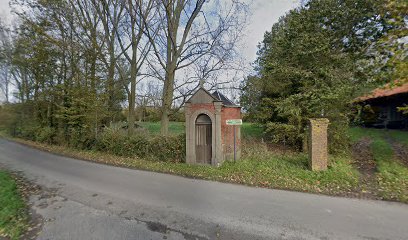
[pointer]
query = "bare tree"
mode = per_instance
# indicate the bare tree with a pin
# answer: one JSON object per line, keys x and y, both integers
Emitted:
{"x": 5, "y": 60}
{"x": 110, "y": 13}
{"x": 189, "y": 31}
{"x": 138, "y": 15}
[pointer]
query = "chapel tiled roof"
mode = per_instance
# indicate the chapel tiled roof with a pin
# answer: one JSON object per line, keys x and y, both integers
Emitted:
{"x": 223, "y": 98}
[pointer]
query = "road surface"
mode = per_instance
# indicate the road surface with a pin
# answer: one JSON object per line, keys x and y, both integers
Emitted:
{"x": 95, "y": 201}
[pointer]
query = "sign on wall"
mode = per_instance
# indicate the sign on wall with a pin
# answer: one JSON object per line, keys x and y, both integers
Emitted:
{"x": 234, "y": 122}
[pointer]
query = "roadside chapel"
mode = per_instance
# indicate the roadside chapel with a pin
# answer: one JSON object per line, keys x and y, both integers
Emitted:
{"x": 209, "y": 139}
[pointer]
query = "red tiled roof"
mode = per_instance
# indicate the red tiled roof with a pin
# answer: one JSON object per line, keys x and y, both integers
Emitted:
{"x": 386, "y": 91}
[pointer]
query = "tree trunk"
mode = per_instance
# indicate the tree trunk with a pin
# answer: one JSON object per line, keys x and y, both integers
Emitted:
{"x": 168, "y": 91}
{"x": 133, "y": 73}
{"x": 110, "y": 84}
{"x": 132, "y": 102}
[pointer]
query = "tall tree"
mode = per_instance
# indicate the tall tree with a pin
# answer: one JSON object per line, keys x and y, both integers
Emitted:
{"x": 5, "y": 60}
{"x": 110, "y": 13}
{"x": 308, "y": 66}
{"x": 187, "y": 31}
{"x": 139, "y": 15}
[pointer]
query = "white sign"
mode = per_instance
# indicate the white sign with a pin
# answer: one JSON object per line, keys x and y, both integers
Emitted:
{"x": 234, "y": 122}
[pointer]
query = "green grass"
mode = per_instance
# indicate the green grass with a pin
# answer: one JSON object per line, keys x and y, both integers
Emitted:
{"x": 154, "y": 127}
{"x": 259, "y": 168}
{"x": 249, "y": 130}
{"x": 400, "y": 136}
{"x": 13, "y": 214}
{"x": 263, "y": 168}
{"x": 391, "y": 175}
{"x": 292, "y": 172}
{"x": 356, "y": 133}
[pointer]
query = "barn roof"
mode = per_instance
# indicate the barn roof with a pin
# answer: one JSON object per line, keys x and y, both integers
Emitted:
{"x": 385, "y": 91}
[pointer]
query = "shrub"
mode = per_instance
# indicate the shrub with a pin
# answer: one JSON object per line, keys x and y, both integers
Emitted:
{"x": 81, "y": 138}
{"x": 155, "y": 148}
{"x": 284, "y": 133}
{"x": 171, "y": 148}
{"x": 27, "y": 131}
{"x": 45, "y": 135}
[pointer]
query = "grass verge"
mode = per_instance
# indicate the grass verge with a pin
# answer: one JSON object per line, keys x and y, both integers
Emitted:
{"x": 13, "y": 214}
{"x": 259, "y": 168}
{"x": 391, "y": 175}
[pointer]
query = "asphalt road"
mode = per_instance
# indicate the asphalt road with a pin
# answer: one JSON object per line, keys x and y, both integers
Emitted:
{"x": 94, "y": 201}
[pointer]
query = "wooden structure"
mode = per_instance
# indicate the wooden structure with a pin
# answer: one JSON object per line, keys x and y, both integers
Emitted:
{"x": 380, "y": 107}
{"x": 209, "y": 140}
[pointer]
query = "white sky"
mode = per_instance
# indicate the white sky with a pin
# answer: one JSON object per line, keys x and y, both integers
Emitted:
{"x": 4, "y": 8}
{"x": 264, "y": 14}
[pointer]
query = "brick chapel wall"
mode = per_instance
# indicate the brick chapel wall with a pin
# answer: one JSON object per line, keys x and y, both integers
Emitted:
{"x": 207, "y": 106}
{"x": 228, "y": 134}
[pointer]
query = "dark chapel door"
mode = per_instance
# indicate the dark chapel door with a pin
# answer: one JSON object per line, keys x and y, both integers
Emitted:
{"x": 203, "y": 141}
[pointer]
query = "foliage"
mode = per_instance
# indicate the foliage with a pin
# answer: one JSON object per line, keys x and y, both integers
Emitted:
{"x": 154, "y": 148}
{"x": 13, "y": 214}
{"x": 392, "y": 49}
{"x": 403, "y": 109}
{"x": 252, "y": 131}
{"x": 283, "y": 133}
{"x": 45, "y": 134}
{"x": 310, "y": 65}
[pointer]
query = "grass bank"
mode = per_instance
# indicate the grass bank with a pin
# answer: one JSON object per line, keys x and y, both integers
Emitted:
{"x": 260, "y": 167}
{"x": 391, "y": 174}
{"x": 13, "y": 214}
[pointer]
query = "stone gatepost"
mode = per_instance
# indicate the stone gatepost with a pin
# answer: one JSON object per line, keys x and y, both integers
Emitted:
{"x": 318, "y": 153}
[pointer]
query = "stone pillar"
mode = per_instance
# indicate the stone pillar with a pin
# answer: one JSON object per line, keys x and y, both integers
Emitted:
{"x": 318, "y": 143}
{"x": 219, "y": 158}
{"x": 239, "y": 142}
{"x": 189, "y": 141}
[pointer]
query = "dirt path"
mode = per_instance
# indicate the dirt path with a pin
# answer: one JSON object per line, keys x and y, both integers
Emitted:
{"x": 364, "y": 161}
{"x": 400, "y": 150}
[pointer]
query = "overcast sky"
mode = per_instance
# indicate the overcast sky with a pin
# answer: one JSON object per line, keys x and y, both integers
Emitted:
{"x": 264, "y": 14}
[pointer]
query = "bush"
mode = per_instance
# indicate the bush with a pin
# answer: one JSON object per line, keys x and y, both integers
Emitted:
{"x": 294, "y": 135}
{"x": 27, "y": 131}
{"x": 155, "y": 148}
{"x": 168, "y": 148}
{"x": 284, "y": 133}
{"x": 338, "y": 136}
{"x": 45, "y": 135}
{"x": 81, "y": 138}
